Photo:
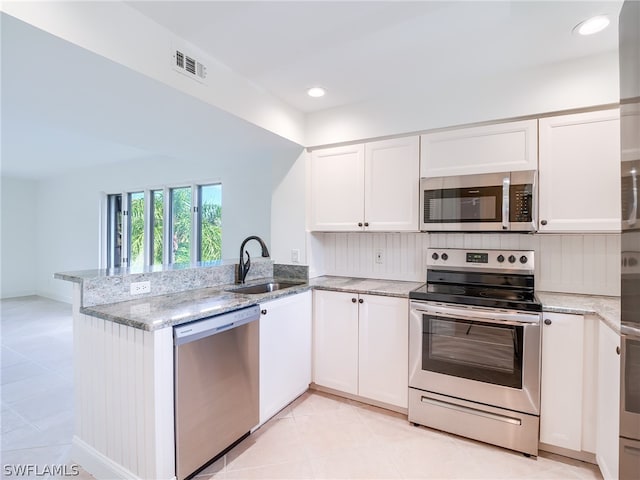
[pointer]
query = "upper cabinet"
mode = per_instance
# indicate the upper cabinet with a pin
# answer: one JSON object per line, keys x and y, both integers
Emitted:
{"x": 502, "y": 147}
{"x": 579, "y": 174}
{"x": 366, "y": 187}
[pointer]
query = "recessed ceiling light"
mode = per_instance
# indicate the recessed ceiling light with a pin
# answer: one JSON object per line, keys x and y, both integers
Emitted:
{"x": 592, "y": 25}
{"x": 316, "y": 92}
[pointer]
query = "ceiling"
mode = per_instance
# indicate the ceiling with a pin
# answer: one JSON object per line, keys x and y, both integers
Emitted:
{"x": 360, "y": 49}
{"x": 88, "y": 110}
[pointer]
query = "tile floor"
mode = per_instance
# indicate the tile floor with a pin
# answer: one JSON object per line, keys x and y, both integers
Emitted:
{"x": 317, "y": 436}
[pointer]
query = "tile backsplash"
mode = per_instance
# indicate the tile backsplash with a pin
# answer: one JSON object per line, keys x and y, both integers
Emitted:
{"x": 572, "y": 263}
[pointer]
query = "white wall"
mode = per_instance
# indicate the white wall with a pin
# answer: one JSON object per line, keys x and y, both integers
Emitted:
{"x": 288, "y": 209}
{"x": 19, "y": 222}
{"x": 69, "y": 208}
{"x": 580, "y": 83}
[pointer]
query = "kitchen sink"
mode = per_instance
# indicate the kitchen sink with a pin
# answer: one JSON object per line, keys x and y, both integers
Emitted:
{"x": 264, "y": 287}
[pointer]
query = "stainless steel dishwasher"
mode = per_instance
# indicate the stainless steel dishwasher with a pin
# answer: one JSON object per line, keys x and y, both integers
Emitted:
{"x": 216, "y": 386}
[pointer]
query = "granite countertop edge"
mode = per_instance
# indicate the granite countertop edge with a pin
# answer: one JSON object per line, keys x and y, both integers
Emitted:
{"x": 606, "y": 308}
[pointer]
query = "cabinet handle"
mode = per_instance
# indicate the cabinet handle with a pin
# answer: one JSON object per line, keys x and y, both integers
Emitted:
{"x": 547, "y": 322}
{"x": 263, "y": 312}
{"x": 359, "y": 224}
{"x": 618, "y": 349}
{"x": 361, "y": 301}
{"x": 543, "y": 222}
{"x": 366, "y": 224}
{"x": 353, "y": 300}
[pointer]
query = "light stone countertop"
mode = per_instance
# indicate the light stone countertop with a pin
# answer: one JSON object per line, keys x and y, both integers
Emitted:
{"x": 389, "y": 288}
{"x": 153, "y": 313}
{"x": 605, "y": 307}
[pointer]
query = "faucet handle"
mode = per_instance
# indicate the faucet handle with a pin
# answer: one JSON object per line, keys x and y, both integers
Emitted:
{"x": 246, "y": 266}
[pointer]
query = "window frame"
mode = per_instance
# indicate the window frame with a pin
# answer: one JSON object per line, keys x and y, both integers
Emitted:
{"x": 106, "y": 223}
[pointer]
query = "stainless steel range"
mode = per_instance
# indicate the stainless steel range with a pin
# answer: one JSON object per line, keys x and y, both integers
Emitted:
{"x": 474, "y": 347}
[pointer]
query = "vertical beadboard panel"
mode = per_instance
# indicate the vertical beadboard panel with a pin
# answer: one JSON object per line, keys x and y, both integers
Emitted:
{"x": 588, "y": 264}
{"x": 570, "y": 263}
{"x": 124, "y": 395}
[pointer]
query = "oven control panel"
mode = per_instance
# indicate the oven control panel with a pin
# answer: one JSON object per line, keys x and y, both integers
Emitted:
{"x": 509, "y": 260}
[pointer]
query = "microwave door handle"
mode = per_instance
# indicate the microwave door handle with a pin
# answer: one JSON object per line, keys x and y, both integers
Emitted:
{"x": 505, "y": 203}
{"x": 634, "y": 206}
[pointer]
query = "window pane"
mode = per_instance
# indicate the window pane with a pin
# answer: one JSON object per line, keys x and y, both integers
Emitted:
{"x": 114, "y": 230}
{"x": 181, "y": 224}
{"x": 136, "y": 229}
{"x": 157, "y": 219}
{"x": 210, "y": 222}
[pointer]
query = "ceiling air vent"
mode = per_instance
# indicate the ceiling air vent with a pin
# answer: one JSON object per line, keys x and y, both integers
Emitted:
{"x": 188, "y": 65}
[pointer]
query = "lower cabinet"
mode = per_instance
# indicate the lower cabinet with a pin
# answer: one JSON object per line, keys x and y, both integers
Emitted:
{"x": 285, "y": 352}
{"x": 608, "y": 415}
{"x": 561, "y": 386}
{"x": 580, "y": 389}
{"x": 361, "y": 345}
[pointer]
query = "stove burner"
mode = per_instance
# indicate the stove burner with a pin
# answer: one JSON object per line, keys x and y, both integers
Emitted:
{"x": 503, "y": 295}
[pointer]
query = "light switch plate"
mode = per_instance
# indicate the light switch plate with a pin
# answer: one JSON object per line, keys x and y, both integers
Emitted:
{"x": 295, "y": 255}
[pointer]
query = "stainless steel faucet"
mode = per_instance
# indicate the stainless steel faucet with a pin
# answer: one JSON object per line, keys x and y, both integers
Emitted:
{"x": 243, "y": 267}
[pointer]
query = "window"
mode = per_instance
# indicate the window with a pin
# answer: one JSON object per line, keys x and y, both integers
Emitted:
{"x": 210, "y": 222}
{"x": 136, "y": 229}
{"x": 181, "y": 224}
{"x": 114, "y": 229}
{"x": 157, "y": 227}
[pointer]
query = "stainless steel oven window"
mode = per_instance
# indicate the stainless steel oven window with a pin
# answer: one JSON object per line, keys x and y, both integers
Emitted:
{"x": 475, "y": 350}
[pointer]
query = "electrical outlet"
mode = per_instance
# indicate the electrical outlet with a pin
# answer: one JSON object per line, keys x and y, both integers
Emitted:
{"x": 295, "y": 255}
{"x": 380, "y": 256}
{"x": 138, "y": 288}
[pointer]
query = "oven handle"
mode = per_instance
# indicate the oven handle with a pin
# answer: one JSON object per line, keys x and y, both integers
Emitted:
{"x": 471, "y": 411}
{"x": 501, "y": 318}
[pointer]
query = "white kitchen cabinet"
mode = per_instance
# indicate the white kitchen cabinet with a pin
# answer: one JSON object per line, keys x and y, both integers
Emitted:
{"x": 383, "y": 349}
{"x": 335, "y": 340}
{"x": 285, "y": 351}
{"x": 561, "y": 389}
{"x": 366, "y": 187}
{"x": 501, "y": 147}
{"x": 608, "y": 402}
{"x": 337, "y": 189}
{"x": 579, "y": 174}
{"x": 360, "y": 345}
{"x": 391, "y": 189}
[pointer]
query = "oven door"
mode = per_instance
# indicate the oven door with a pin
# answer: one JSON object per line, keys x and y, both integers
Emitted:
{"x": 478, "y": 354}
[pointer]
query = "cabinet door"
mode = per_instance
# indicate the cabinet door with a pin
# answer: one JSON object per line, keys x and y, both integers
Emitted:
{"x": 335, "y": 340}
{"x": 561, "y": 380}
{"x": 337, "y": 189}
{"x": 392, "y": 182}
{"x": 579, "y": 176}
{"x": 285, "y": 352}
{"x": 502, "y": 147}
{"x": 383, "y": 344}
{"x": 608, "y": 419}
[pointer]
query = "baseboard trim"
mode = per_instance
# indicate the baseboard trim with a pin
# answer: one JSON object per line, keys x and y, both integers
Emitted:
{"x": 358, "y": 398}
{"x": 565, "y": 452}
{"x": 97, "y": 464}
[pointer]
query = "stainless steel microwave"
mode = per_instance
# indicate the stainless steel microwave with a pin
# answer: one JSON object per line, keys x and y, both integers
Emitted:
{"x": 486, "y": 202}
